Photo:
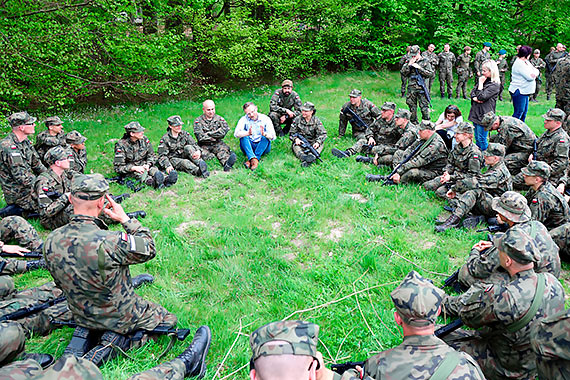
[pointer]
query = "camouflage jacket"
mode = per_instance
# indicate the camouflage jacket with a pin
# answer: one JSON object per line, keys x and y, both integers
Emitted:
{"x": 312, "y": 130}
{"x": 553, "y": 59}
{"x": 463, "y": 64}
{"x": 562, "y": 79}
{"x": 493, "y": 308}
{"x": 367, "y": 111}
{"x": 418, "y": 358}
{"x": 55, "y": 210}
{"x": 446, "y": 62}
{"x": 130, "y": 153}
{"x": 182, "y": 146}
{"x": 503, "y": 67}
{"x": 494, "y": 181}
{"x": 384, "y": 131}
{"x": 538, "y": 63}
{"x": 19, "y": 165}
{"x": 45, "y": 141}
{"x": 550, "y": 339}
{"x": 78, "y": 160}
{"x": 409, "y": 136}
{"x": 548, "y": 206}
{"x": 210, "y": 131}
{"x": 432, "y": 157}
{"x": 515, "y": 135}
{"x": 425, "y": 70}
{"x": 464, "y": 162}
{"x": 403, "y": 59}
{"x": 91, "y": 265}
{"x": 279, "y": 103}
{"x": 480, "y": 57}
{"x": 552, "y": 148}
{"x": 432, "y": 59}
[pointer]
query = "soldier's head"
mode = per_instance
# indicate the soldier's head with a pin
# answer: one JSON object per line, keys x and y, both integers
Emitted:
{"x": 76, "y": 140}
{"x": 452, "y": 112}
{"x": 431, "y": 48}
{"x": 287, "y": 86}
{"x": 88, "y": 193}
{"x": 402, "y": 118}
{"x": 487, "y": 46}
{"x": 536, "y": 173}
{"x": 22, "y": 124}
{"x": 250, "y": 110}
{"x": 54, "y": 125}
{"x": 355, "y": 97}
{"x": 517, "y": 250}
{"x": 387, "y": 110}
{"x": 464, "y": 134}
{"x": 415, "y": 51}
{"x": 536, "y": 53}
{"x": 552, "y": 48}
{"x": 175, "y": 123}
{"x": 418, "y": 303}
{"x": 446, "y": 48}
{"x": 494, "y": 154}
{"x": 426, "y": 129}
{"x": 467, "y": 49}
{"x": 553, "y": 119}
{"x": 134, "y": 130}
{"x": 57, "y": 158}
{"x": 490, "y": 121}
{"x": 511, "y": 208}
{"x": 209, "y": 109}
{"x": 308, "y": 110}
{"x": 285, "y": 350}
{"x": 560, "y": 47}
{"x": 502, "y": 53}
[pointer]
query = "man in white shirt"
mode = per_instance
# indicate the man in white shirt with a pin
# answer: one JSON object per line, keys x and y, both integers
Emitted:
{"x": 255, "y": 132}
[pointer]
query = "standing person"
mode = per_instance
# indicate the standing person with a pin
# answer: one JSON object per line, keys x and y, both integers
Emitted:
{"x": 446, "y": 61}
{"x": 447, "y": 123}
{"x": 404, "y": 78}
{"x": 52, "y": 136}
{"x": 284, "y": 106}
{"x": 539, "y": 64}
{"x": 503, "y": 67}
{"x": 311, "y": 128}
{"x": 552, "y": 63}
{"x": 562, "y": 78}
{"x": 463, "y": 72}
{"x": 255, "y": 133}
{"x": 484, "y": 99}
{"x": 523, "y": 82}
{"x": 434, "y": 62}
{"x": 481, "y": 57}
{"x": 418, "y": 69}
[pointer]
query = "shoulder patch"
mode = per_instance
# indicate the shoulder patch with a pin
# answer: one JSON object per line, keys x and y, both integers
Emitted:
{"x": 276, "y": 92}
{"x": 13, "y": 147}
{"x": 562, "y": 141}
{"x": 46, "y": 189}
{"x": 489, "y": 288}
{"x": 475, "y": 156}
{"x": 534, "y": 200}
{"x": 124, "y": 236}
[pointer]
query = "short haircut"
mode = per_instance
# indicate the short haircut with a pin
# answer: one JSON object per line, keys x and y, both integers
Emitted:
{"x": 248, "y": 104}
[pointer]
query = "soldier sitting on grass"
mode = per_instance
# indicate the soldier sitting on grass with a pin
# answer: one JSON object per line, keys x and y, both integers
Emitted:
{"x": 311, "y": 128}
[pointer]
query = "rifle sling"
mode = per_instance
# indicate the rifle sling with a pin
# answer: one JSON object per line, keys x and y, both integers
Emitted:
{"x": 425, "y": 144}
{"x": 446, "y": 366}
{"x": 536, "y": 303}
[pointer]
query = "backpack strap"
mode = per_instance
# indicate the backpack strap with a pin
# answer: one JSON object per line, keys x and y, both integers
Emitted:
{"x": 536, "y": 303}
{"x": 446, "y": 366}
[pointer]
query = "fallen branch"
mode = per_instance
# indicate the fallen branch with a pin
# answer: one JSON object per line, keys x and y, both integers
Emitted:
{"x": 410, "y": 261}
{"x": 228, "y": 353}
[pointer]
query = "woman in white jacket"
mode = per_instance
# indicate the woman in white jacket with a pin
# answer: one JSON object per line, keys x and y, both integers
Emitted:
{"x": 522, "y": 82}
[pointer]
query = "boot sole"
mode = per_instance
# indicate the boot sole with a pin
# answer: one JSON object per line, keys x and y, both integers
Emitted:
{"x": 230, "y": 162}
{"x": 338, "y": 153}
{"x": 203, "y": 358}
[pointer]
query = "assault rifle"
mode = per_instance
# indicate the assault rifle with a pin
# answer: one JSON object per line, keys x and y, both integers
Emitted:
{"x": 388, "y": 180}
{"x": 422, "y": 83}
{"x": 26, "y": 255}
{"x": 495, "y": 228}
{"x": 130, "y": 183}
{"x": 355, "y": 120}
{"x": 534, "y": 149}
{"x": 341, "y": 368}
{"x": 53, "y": 195}
{"x": 31, "y": 310}
{"x": 307, "y": 146}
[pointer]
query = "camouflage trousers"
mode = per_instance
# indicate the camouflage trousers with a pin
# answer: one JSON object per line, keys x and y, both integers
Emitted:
{"x": 418, "y": 175}
{"x": 538, "y": 82}
{"x": 386, "y": 159}
{"x": 16, "y": 228}
{"x": 462, "y": 78}
{"x": 561, "y": 236}
{"x": 416, "y": 98}
{"x": 7, "y": 268}
{"x": 404, "y": 80}
{"x": 446, "y": 78}
{"x": 563, "y": 103}
{"x": 275, "y": 116}
{"x": 12, "y": 341}
{"x": 361, "y": 146}
{"x": 477, "y": 201}
{"x": 185, "y": 165}
{"x": 429, "y": 82}
{"x": 343, "y": 122}
{"x": 298, "y": 151}
{"x": 219, "y": 149}
{"x": 549, "y": 84}
{"x": 516, "y": 161}
{"x": 57, "y": 220}
{"x": 435, "y": 185}
{"x": 143, "y": 177}
{"x": 549, "y": 340}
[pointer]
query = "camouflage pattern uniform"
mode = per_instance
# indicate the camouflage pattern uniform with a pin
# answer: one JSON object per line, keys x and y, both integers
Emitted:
{"x": 480, "y": 57}
{"x": 78, "y": 159}
{"x": 550, "y": 339}
{"x": 502, "y": 348}
{"x": 553, "y": 60}
{"x": 177, "y": 152}
{"x": 45, "y": 141}
{"x": 210, "y": 135}
{"x": 463, "y": 74}
{"x": 387, "y": 154}
{"x": 462, "y": 162}
{"x": 503, "y": 67}
{"x": 539, "y": 64}
{"x": 416, "y": 95}
{"x": 367, "y": 111}
{"x": 428, "y": 162}
{"x": 562, "y": 79}
{"x": 417, "y": 301}
{"x": 279, "y": 103}
{"x": 403, "y": 78}
{"x": 100, "y": 295}
{"x": 433, "y": 59}
{"x": 311, "y": 130}
{"x": 446, "y": 63}
{"x": 561, "y": 236}
{"x": 384, "y": 133}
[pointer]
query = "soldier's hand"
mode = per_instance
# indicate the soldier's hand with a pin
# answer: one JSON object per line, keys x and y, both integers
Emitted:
{"x": 482, "y": 245}
{"x": 451, "y": 194}
{"x": 445, "y": 177}
{"x": 16, "y": 249}
{"x": 371, "y": 141}
{"x": 375, "y": 159}
{"x": 316, "y": 145}
{"x": 138, "y": 169}
{"x": 169, "y": 169}
{"x": 396, "y": 178}
{"x": 196, "y": 155}
{"x": 297, "y": 141}
{"x": 323, "y": 373}
{"x": 282, "y": 119}
{"x": 560, "y": 188}
{"x": 530, "y": 158}
{"x": 115, "y": 211}
{"x": 290, "y": 113}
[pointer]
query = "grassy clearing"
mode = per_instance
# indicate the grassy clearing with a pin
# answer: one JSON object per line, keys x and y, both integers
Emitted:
{"x": 241, "y": 249}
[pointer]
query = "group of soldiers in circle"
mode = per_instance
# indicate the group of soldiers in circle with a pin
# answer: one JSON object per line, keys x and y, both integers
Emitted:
{"x": 510, "y": 294}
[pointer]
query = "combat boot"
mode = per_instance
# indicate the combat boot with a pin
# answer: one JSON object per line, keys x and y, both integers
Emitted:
{"x": 35, "y": 264}
{"x": 203, "y": 169}
{"x": 136, "y": 214}
{"x": 230, "y": 162}
{"x": 307, "y": 160}
{"x": 473, "y": 221}
{"x": 158, "y": 180}
{"x": 194, "y": 357}
{"x": 547, "y": 96}
{"x": 375, "y": 178}
{"x": 340, "y": 153}
{"x": 451, "y": 222}
{"x": 141, "y": 279}
{"x": 45, "y": 360}
{"x": 171, "y": 178}
{"x": 366, "y": 160}
{"x": 442, "y": 95}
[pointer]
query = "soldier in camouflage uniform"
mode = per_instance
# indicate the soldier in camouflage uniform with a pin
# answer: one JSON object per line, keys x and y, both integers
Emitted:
{"x": 387, "y": 154}
{"x": 552, "y": 61}
{"x": 476, "y": 193}
{"x": 483, "y": 262}
{"x": 178, "y": 151}
{"x": 552, "y": 148}
{"x": 284, "y": 106}
{"x": 546, "y": 203}
{"x": 210, "y": 130}
{"x": 503, "y": 67}
{"x": 415, "y": 68}
{"x": 463, "y": 72}
{"x": 539, "y": 64}
{"x": 446, "y": 60}
{"x": 505, "y": 313}
{"x": 433, "y": 59}
{"x": 515, "y": 135}
{"x": 19, "y": 163}
{"x": 364, "y": 108}
{"x": 78, "y": 159}
{"x": 550, "y": 339}
{"x": 310, "y": 127}
{"x": 481, "y": 57}
{"x": 52, "y": 136}
{"x": 380, "y": 132}
{"x": 562, "y": 79}
{"x": 464, "y": 160}
{"x": 404, "y": 78}
{"x": 51, "y": 189}
{"x": 135, "y": 157}
{"x": 14, "y": 363}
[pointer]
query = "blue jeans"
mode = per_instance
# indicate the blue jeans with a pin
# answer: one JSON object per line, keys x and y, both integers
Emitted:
{"x": 481, "y": 136}
{"x": 520, "y": 105}
{"x": 254, "y": 149}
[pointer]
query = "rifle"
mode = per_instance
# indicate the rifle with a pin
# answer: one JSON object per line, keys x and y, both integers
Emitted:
{"x": 341, "y": 368}
{"x": 27, "y": 311}
{"x": 307, "y": 146}
{"x": 534, "y": 149}
{"x": 422, "y": 83}
{"x": 388, "y": 180}
{"x": 53, "y": 195}
{"x": 355, "y": 119}
{"x": 449, "y": 328}
{"x": 130, "y": 183}
{"x": 495, "y": 228}
{"x": 26, "y": 255}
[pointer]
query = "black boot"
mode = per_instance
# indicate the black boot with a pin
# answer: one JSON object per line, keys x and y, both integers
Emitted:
{"x": 230, "y": 162}
{"x": 141, "y": 279}
{"x": 307, "y": 160}
{"x": 375, "y": 178}
{"x": 171, "y": 178}
{"x": 451, "y": 222}
{"x": 339, "y": 153}
{"x": 366, "y": 160}
{"x": 442, "y": 95}
{"x": 473, "y": 221}
{"x": 158, "y": 180}
{"x": 45, "y": 360}
{"x": 35, "y": 264}
{"x": 120, "y": 198}
{"x": 203, "y": 169}
{"x": 194, "y": 357}
{"x": 11, "y": 210}
{"x": 136, "y": 214}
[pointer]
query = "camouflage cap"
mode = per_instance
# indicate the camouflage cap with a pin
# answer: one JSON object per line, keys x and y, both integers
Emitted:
{"x": 502, "y": 52}
{"x": 487, "y": 44}
{"x": 57, "y": 153}
{"x": 417, "y": 300}
{"x": 495, "y": 149}
{"x": 308, "y": 106}
{"x": 518, "y": 245}
{"x": 53, "y": 120}
{"x": 134, "y": 126}
{"x": 415, "y": 49}
{"x": 355, "y": 93}
{"x": 89, "y": 186}
{"x": 536, "y": 51}
{"x": 488, "y": 120}
{"x": 388, "y": 106}
{"x": 512, "y": 205}
{"x": 285, "y": 338}
{"x": 174, "y": 121}
{"x": 464, "y": 127}
{"x": 287, "y": 83}
{"x": 555, "y": 114}
{"x": 21, "y": 118}
{"x": 75, "y": 137}
{"x": 537, "y": 169}
{"x": 426, "y": 124}
{"x": 403, "y": 114}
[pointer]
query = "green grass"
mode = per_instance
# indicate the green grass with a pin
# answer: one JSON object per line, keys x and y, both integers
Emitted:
{"x": 246, "y": 248}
